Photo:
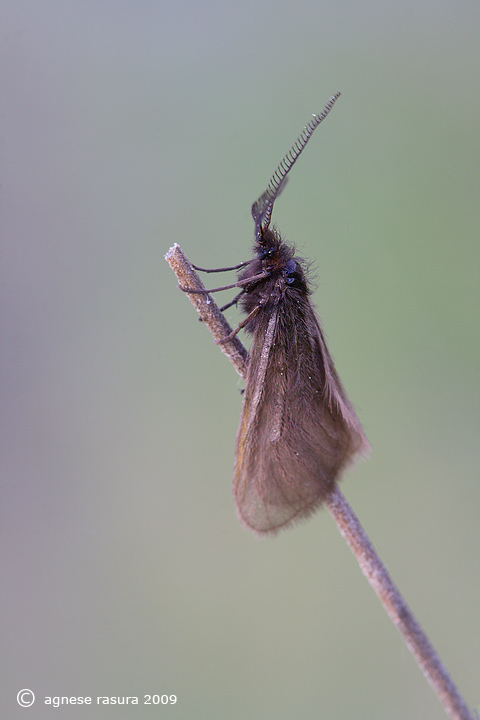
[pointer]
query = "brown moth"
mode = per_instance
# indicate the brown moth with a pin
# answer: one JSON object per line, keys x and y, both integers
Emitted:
{"x": 298, "y": 430}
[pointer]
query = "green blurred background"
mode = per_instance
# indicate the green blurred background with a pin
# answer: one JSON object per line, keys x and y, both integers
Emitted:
{"x": 128, "y": 126}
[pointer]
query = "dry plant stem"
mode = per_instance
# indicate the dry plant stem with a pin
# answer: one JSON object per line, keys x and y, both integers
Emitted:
{"x": 347, "y": 522}
{"x": 207, "y": 309}
{"x": 398, "y": 610}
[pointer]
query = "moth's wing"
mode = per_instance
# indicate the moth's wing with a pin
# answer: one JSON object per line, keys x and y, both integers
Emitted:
{"x": 298, "y": 430}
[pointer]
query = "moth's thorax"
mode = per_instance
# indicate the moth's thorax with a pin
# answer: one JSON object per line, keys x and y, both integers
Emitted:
{"x": 283, "y": 276}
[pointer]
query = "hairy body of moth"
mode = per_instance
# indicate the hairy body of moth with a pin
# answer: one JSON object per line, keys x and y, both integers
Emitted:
{"x": 298, "y": 430}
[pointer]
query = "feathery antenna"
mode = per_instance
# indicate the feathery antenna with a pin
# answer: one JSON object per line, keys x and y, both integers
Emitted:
{"x": 262, "y": 208}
